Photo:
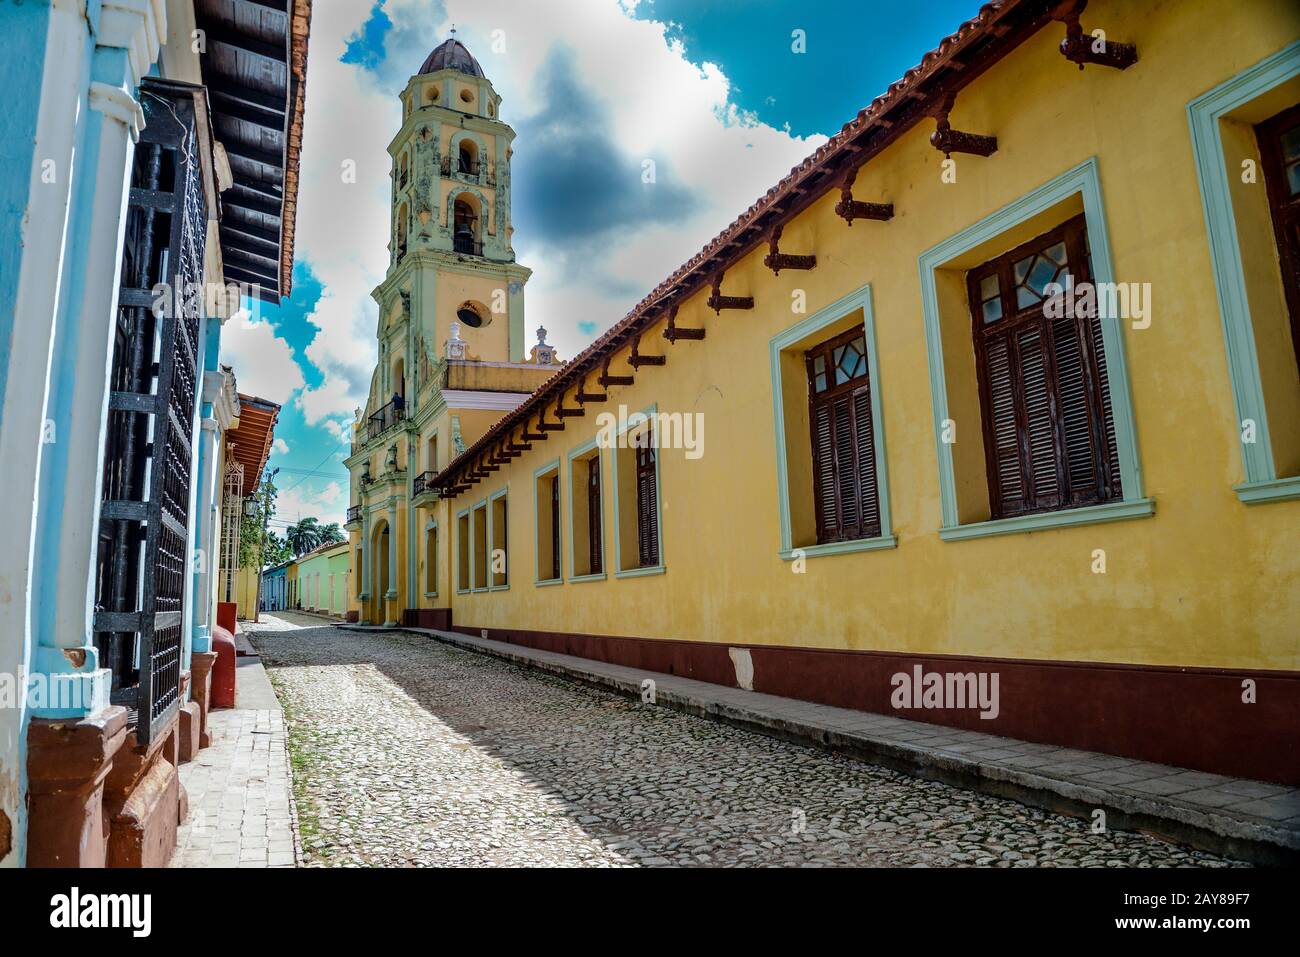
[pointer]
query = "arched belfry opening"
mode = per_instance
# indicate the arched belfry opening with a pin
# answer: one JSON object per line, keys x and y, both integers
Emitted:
{"x": 466, "y": 230}
{"x": 467, "y": 158}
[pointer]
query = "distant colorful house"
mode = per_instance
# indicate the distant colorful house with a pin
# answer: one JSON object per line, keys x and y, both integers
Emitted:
{"x": 322, "y": 579}
{"x": 275, "y": 583}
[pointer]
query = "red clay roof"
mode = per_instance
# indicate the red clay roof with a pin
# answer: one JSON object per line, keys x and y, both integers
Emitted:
{"x": 997, "y": 29}
{"x": 250, "y": 444}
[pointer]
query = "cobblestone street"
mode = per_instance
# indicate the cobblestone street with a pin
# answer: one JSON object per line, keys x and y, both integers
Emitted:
{"x": 408, "y": 752}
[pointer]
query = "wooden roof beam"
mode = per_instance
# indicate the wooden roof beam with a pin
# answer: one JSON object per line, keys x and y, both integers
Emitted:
{"x": 776, "y": 260}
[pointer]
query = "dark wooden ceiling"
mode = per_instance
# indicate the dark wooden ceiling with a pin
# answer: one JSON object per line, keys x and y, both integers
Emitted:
{"x": 247, "y": 68}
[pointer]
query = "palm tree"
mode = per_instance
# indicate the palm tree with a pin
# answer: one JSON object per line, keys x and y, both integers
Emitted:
{"x": 331, "y": 533}
{"x": 303, "y": 536}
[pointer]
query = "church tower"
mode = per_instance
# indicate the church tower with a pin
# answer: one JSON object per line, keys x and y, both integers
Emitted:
{"x": 451, "y": 353}
{"x": 450, "y": 247}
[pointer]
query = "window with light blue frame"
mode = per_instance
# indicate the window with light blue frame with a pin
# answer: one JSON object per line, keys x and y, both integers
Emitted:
{"x": 586, "y": 502}
{"x": 972, "y": 479}
{"x": 831, "y": 479}
{"x": 548, "y": 563}
{"x": 1230, "y": 127}
{"x": 637, "y": 483}
{"x": 464, "y": 552}
{"x": 431, "y": 559}
{"x": 498, "y": 556}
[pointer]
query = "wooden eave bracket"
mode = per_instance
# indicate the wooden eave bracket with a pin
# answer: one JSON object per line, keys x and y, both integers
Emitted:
{"x": 636, "y": 360}
{"x": 552, "y": 426}
{"x": 608, "y": 380}
{"x": 1079, "y": 47}
{"x": 776, "y": 260}
{"x": 948, "y": 141}
{"x": 849, "y": 209}
{"x": 717, "y": 301}
{"x": 583, "y": 396}
{"x": 673, "y": 332}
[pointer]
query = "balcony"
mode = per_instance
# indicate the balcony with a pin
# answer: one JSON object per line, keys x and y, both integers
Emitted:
{"x": 354, "y": 515}
{"x": 472, "y": 170}
{"x": 423, "y": 490}
{"x": 385, "y": 419}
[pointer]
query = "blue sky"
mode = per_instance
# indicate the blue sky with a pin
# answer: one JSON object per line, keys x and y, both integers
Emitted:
{"x": 712, "y": 90}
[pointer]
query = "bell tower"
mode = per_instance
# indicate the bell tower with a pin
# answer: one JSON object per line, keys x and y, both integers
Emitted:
{"x": 451, "y": 257}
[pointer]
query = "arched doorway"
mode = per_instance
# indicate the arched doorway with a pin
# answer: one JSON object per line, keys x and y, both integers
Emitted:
{"x": 379, "y": 571}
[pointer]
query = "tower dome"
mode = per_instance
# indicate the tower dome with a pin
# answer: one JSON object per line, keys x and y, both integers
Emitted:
{"x": 452, "y": 55}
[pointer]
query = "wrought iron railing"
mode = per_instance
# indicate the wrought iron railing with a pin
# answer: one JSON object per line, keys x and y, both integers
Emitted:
{"x": 143, "y": 566}
{"x": 422, "y": 483}
{"x": 470, "y": 247}
{"x": 387, "y": 417}
{"x": 476, "y": 170}
{"x": 354, "y": 514}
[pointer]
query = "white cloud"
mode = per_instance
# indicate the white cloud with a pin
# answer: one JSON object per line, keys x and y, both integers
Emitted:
{"x": 263, "y": 363}
{"x": 659, "y": 105}
{"x": 281, "y": 446}
{"x": 306, "y": 500}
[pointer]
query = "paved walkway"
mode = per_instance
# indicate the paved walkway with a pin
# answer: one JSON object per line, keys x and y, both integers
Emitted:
{"x": 1256, "y": 820}
{"x": 239, "y": 788}
{"x": 408, "y": 751}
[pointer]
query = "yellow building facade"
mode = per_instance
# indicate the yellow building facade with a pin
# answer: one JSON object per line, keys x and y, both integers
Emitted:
{"x": 878, "y": 425}
{"x": 452, "y": 356}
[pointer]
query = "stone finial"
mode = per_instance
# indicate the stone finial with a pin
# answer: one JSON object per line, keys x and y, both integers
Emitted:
{"x": 455, "y": 345}
{"x": 543, "y": 354}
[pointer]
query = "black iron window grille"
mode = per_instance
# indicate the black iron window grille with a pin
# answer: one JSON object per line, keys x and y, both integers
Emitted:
{"x": 143, "y": 565}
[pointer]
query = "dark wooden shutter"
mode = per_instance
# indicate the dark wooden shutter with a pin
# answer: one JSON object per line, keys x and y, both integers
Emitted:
{"x": 555, "y": 527}
{"x": 1279, "y": 147}
{"x": 843, "y": 440}
{"x": 1049, "y": 435}
{"x": 647, "y": 507}
{"x": 593, "y": 515}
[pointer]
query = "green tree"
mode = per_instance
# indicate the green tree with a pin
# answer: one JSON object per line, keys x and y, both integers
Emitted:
{"x": 253, "y": 550}
{"x": 304, "y": 535}
{"x": 331, "y": 533}
{"x": 277, "y": 550}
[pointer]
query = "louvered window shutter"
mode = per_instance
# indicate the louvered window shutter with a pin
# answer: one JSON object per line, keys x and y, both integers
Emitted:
{"x": 593, "y": 514}
{"x": 843, "y": 440}
{"x": 1279, "y": 147}
{"x": 555, "y": 527}
{"x": 1048, "y": 431}
{"x": 647, "y": 507}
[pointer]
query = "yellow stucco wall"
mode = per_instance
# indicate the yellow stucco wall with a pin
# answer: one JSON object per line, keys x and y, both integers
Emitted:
{"x": 1207, "y": 581}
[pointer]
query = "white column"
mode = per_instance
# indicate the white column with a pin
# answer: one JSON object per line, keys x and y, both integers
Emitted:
{"x": 78, "y": 401}
{"x": 36, "y": 257}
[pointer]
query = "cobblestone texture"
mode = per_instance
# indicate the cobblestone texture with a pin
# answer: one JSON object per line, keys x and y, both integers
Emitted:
{"x": 408, "y": 752}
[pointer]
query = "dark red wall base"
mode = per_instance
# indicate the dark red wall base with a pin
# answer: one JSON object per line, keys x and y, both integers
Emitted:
{"x": 439, "y": 618}
{"x": 1186, "y": 717}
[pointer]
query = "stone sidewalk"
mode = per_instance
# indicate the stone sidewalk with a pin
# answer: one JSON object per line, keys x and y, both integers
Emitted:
{"x": 1250, "y": 820}
{"x": 241, "y": 812}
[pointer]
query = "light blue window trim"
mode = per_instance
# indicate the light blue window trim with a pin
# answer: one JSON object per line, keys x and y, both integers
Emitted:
{"x": 490, "y": 539}
{"x": 462, "y": 587}
{"x": 636, "y": 420}
{"x": 473, "y": 543}
{"x": 1083, "y": 180}
{"x": 1203, "y": 114}
{"x": 541, "y": 472}
{"x": 579, "y": 452}
{"x": 783, "y": 341}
